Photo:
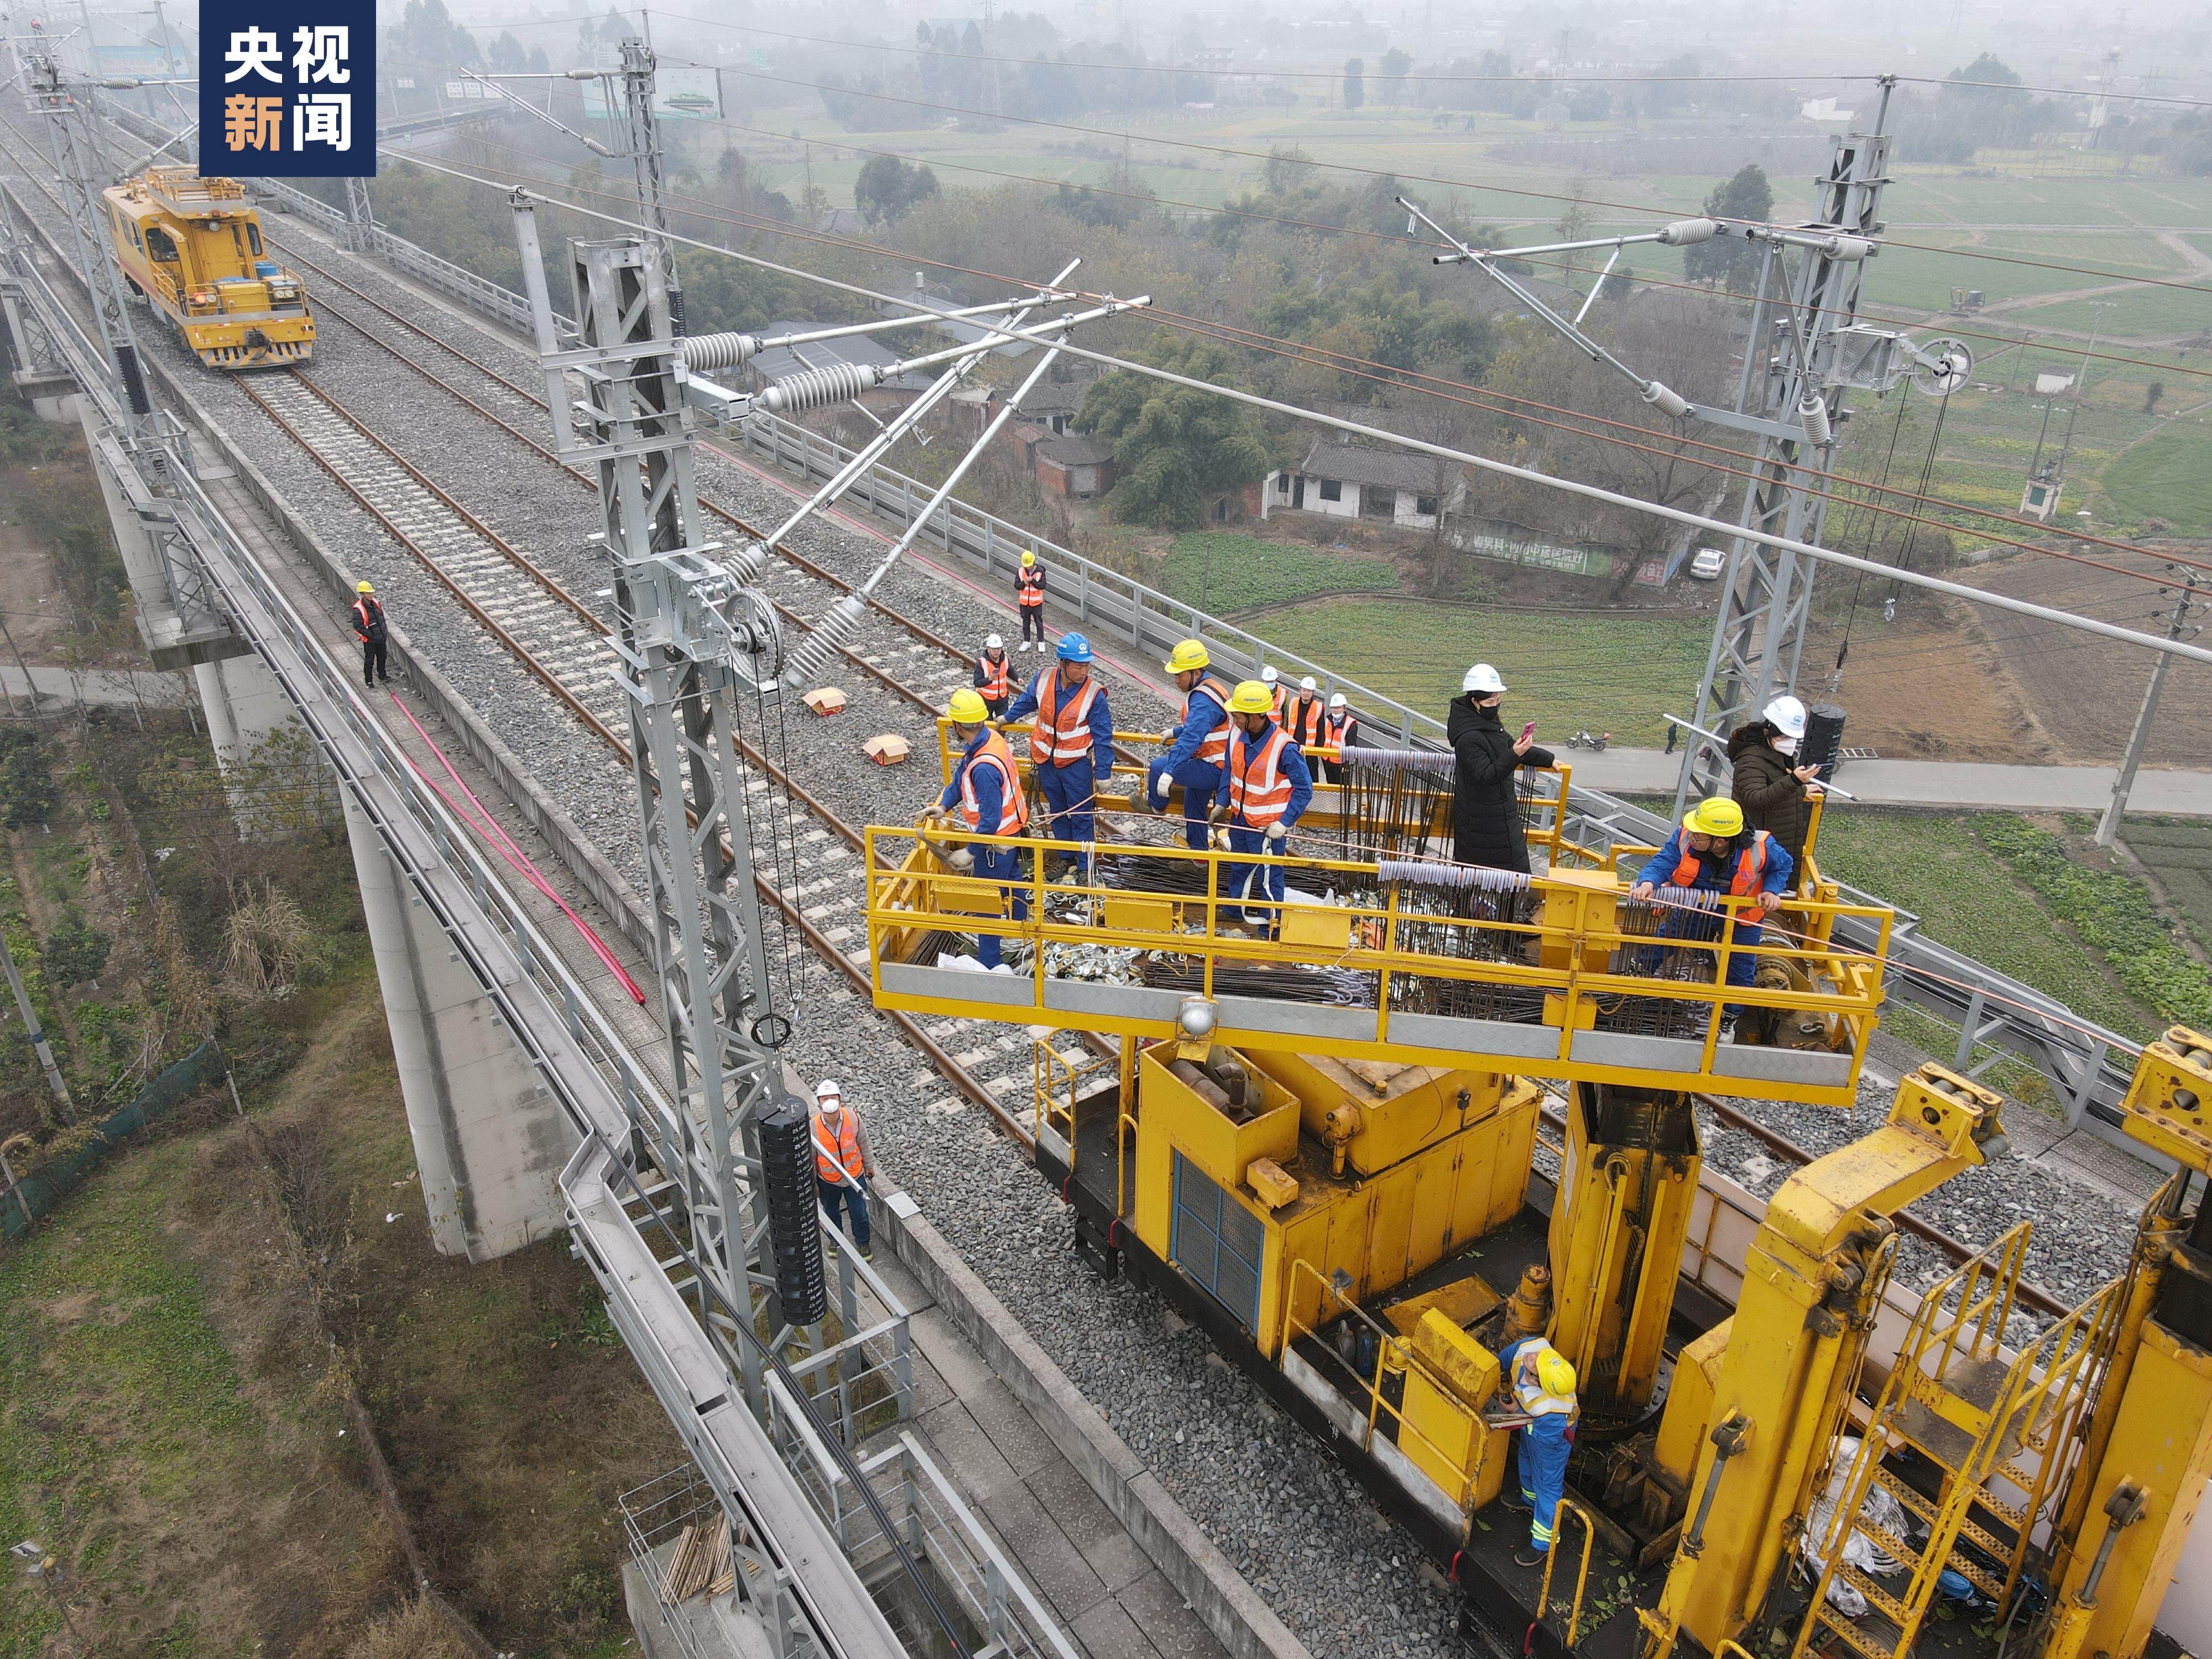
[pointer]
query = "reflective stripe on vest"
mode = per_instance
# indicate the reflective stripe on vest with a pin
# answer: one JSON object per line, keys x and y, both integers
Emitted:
{"x": 837, "y": 1156}
{"x": 1215, "y": 748}
{"x": 996, "y": 685}
{"x": 1259, "y": 787}
{"x": 1750, "y": 867}
{"x": 1059, "y": 735}
{"x": 1528, "y": 1393}
{"x": 1333, "y": 736}
{"x": 361, "y": 624}
{"x": 1014, "y": 810}
{"x": 1031, "y": 581}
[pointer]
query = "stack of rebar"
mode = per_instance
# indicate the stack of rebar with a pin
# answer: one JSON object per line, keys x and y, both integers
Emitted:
{"x": 1392, "y": 801}
{"x": 1443, "y": 909}
{"x": 1340, "y": 987}
{"x": 1670, "y": 934}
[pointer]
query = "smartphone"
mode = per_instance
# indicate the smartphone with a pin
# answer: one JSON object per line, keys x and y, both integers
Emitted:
{"x": 1529, "y": 731}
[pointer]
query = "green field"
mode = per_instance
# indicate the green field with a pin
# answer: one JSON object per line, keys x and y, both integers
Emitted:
{"x": 1225, "y": 574}
{"x": 2169, "y": 476}
{"x": 2179, "y": 853}
{"x": 1618, "y": 674}
{"x": 1969, "y": 897}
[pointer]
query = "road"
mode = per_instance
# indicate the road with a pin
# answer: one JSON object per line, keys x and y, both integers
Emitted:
{"x": 1934, "y": 783}
{"x": 114, "y": 688}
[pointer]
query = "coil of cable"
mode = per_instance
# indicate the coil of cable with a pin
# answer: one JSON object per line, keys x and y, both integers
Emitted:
{"x": 787, "y": 1136}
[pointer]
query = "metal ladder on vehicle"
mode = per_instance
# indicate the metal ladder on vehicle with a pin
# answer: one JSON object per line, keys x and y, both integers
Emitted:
{"x": 1995, "y": 1428}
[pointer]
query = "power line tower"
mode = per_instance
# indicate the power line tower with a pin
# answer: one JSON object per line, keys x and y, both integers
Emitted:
{"x": 689, "y": 640}
{"x": 1805, "y": 350}
{"x": 641, "y": 133}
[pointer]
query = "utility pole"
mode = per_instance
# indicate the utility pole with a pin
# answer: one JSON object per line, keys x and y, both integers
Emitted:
{"x": 2081, "y": 385}
{"x": 642, "y": 134}
{"x": 31, "y": 1027}
{"x": 2179, "y": 626}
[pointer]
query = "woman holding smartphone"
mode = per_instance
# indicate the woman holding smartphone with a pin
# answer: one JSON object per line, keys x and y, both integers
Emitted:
{"x": 1486, "y": 823}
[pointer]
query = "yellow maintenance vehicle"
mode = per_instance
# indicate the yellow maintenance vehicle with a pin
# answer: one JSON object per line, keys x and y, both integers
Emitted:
{"x": 192, "y": 247}
{"x": 1419, "y": 1112}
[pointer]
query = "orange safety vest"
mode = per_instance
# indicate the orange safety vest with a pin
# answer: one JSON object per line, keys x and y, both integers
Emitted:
{"x": 1280, "y": 699}
{"x": 1750, "y": 866}
{"x": 1259, "y": 787}
{"x": 996, "y": 686}
{"x": 1030, "y": 580}
{"x": 1305, "y": 720}
{"x": 837, "y": 1159}
{"x": 363, "y": 623}
{"x": 1335, "y": 727}
{"x": 1058, "y": 735}
{"x": 1215, "y": 749}
{"x": 1014, "y": 810}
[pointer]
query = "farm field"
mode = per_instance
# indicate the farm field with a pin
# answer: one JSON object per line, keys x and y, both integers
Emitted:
{"x": 1566, "y": 671}
{"x": 2178, "y": 851}
{"x": 2168, "y": 475}
{"x": 1225, "y": 574}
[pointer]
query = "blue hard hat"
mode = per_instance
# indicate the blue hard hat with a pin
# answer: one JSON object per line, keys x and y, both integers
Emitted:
{"x": 1073, "y": 647}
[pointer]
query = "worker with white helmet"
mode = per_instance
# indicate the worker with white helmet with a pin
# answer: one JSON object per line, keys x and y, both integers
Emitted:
{"x": 843, "y": 1164}
{"x": 1338, "y": 733}
{"x": 1775, "y": 791}
{"x": 1305, "y": 713}
{"x": 994, "y": 678}
{"x": 1278, "y": 693}
{"x": 1487, "y": 826}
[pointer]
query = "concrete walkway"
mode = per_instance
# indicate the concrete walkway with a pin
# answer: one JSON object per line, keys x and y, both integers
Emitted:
{"x": 1932, "y": 783}
{"x": 115, "y": 688}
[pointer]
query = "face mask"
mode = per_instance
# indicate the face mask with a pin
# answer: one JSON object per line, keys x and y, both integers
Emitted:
{"x": 1785, "y": 746}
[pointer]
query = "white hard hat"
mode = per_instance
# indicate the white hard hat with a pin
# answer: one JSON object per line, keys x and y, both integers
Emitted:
{"x": 1269, "y": 677}
{"x": 1336, "y": 700}
{"x": 1787, "y": 716}
{"x": 1309, "y": 683}
{"x": 993, "y": 642}
{"x": 1484, "y": 679}
{"x": 827, "y": 1089}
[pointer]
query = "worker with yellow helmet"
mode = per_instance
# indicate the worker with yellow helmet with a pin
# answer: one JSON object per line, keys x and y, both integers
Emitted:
{"x": 1715, "y": 851}
{"x": 987, "y": 792}
{"x": 1198, "y": 744}
{"x": 374, "y": 634}
{"x": 1264, "y": 789}
{"x": 1029, "y": 599}
{"x": 1539, "y": 1382}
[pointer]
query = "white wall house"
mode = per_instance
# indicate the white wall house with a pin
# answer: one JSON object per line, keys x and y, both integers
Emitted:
{"x": 1344, "y": 481}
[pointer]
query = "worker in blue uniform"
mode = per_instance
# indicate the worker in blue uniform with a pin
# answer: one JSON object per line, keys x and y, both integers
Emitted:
{"x": 1540, "y": 1381}
{"x": 1264, "y": 789}
{"x": 1198, "y": 744}
{"x": 1070, "y": 742}
{"x": 1713, "y": 851}
{"x": 987, "y": 793}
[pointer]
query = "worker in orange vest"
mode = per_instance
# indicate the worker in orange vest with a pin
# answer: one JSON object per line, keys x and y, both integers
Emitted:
{"x": 1279, "y": 694}
{"x": 843, "y": 1162}
{"x": 1028, "y": 597}
{"x": 1264, "y": 789}
{"x": 370, "y": 629}
{"x": 1340, "y": 734}
{"x": 1714, "y": 850}
{"x": 995, "y": 676}
{"x": 1305, "y": 715}
{"x": 1070, "y": 742}
{"x": 986, "y": 791}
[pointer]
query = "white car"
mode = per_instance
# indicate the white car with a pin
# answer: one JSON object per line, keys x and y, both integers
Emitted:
{"x": 1707, "y": 563}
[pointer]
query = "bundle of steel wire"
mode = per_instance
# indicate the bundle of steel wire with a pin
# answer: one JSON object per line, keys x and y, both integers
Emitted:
{"x": 1337, "y": 986}
{"x": 1671, "y": 928}
{"x": 1178, "y": 878}
{"x": 1442, "y": 910}
{"x": 1395, "y": 802}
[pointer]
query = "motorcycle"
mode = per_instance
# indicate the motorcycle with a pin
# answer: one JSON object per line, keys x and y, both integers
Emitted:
{"x": 1587, "y": 739}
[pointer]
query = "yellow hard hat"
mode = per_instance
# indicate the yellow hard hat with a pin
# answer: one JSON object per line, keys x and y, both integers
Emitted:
{"x": 1555, "y": 1374}
{"x": 1188, "y": 655}
{"x": 967, "y": 708}
{"x": 1027, "y": 559}
{"x": 1716, "y": 815}
{"x": 1251, "y": 697}
{"x": 362, "y": 588}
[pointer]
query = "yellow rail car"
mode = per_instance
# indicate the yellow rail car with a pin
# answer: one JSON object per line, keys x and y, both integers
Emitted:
{"x": 193, "y": 246}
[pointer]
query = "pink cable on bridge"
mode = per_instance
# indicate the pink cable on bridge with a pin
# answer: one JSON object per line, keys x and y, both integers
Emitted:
{"x": 504, "y": 844}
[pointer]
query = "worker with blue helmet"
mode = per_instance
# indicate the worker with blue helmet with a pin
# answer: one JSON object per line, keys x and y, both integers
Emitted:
{"x": 1070, "y": 742}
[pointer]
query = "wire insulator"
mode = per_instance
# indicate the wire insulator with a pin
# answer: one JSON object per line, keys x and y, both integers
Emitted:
{"x": 819, "y": 388}
{"x": 1664, "y": 398}
{"x": 704, "y": 352}
{"x": 1812, "y": 416}
{"x": 788, "y": 1174}
{"x": 1684, "y": 233}
{"x": 746, "y": 562}
{"x": 812, "y": 655}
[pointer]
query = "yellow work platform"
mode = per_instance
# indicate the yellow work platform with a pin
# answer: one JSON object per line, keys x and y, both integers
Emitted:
{"x": 1420, "y": 963}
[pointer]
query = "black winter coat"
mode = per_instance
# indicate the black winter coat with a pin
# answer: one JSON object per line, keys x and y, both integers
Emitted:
{"x": 1772, "y": 798}
{"x": 1486, "y": 823}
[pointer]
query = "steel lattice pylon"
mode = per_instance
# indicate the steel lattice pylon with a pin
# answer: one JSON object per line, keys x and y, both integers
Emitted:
{"x": 688, "y": 639}
{"x": 1798, "y": 359}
